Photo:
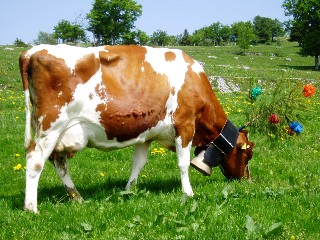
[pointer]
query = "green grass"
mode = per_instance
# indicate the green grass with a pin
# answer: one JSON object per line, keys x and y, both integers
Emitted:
{"x": 282, "y": 202}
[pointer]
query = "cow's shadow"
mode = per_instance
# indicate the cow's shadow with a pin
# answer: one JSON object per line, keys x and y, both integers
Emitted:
{"x": 111, "y": 190}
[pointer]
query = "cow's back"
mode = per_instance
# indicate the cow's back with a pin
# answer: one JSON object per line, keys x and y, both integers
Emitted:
{"x": 125, "y": 90}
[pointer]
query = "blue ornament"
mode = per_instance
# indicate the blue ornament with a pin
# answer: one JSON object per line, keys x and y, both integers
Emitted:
{"x": 296, "y": 127}
{"x": 255, "y": 92}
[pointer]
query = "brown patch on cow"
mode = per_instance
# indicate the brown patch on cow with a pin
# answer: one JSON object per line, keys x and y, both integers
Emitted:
{"x": 32, "y": 146}
{"x": 52, "y": 85}
{"x": 170, "y": 56}
{"x": 201, "y": 117}
{"x": 37, "y": 167}
{"x": 86, "y": 67}
{"x": 135, "y": 100}
{"x": 23, "y": 64}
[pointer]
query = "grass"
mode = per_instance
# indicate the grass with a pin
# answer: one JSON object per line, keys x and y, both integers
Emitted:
{"x": 281, "y": 203}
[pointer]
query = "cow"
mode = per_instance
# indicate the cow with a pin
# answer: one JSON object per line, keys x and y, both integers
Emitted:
{"x": 112, "y": 97}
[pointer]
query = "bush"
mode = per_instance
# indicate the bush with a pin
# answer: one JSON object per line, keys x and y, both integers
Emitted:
{"x": 19, "y": 43}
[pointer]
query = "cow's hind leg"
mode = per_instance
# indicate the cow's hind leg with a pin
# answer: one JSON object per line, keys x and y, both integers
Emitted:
{"x": 34, "y": 165}
{"x": 60, "y": 162}
{"x": 37, "y": 153}
{"x": 138, "y": 161}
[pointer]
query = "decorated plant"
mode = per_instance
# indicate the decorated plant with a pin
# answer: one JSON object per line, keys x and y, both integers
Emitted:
{"x": 279, "y": 110}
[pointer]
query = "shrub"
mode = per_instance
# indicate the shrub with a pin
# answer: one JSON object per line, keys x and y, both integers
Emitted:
{"x": 19, "y": 43}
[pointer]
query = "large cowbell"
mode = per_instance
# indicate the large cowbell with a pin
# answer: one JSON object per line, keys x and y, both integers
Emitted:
{"x": 217, "y": 149}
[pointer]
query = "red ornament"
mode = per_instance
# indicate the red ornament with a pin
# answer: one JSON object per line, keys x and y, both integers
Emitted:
{"x": 274, "y": 119}
{"x": 309, "y": 90}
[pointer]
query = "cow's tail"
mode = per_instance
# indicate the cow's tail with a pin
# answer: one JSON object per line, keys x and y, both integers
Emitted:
{"x": 24, "y": 63}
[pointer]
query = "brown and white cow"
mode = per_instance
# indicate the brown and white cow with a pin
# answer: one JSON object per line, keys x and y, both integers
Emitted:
{"x": 112, "y": 97}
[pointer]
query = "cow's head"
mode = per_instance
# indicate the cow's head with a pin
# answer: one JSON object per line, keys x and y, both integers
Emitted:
{"x": 234, "y": 165}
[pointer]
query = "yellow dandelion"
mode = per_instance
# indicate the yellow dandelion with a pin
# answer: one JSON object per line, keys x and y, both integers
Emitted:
{"x": 17, "y": 167}
{"x": 102, "y": 174}
{"x": 17, "y": 155}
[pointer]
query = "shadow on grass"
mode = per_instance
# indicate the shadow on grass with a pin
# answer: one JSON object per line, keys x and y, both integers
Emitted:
{"x": 300, "y": 68}
{"x": 110, "y": 189}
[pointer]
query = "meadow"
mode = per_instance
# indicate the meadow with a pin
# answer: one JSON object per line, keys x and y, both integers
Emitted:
{"x": 282, "y": 201}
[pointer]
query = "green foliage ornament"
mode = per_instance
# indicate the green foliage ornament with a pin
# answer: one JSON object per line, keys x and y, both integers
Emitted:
{"x": 255, "y": 93}
{"x": 277, "y": 111}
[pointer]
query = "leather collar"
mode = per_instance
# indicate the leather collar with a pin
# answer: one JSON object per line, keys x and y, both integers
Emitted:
{"x": 221, "y": 145}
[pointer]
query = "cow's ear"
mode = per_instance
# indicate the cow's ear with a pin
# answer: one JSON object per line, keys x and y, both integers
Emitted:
{"x": 245, "y": 132}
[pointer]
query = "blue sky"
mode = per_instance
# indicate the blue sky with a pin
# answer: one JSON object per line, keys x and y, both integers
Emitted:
{"x": 25, "y": 19}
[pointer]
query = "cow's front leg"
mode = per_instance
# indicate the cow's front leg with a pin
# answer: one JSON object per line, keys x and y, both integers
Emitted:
{"x": 183, "y": 154}
{"x": 138, "y": 161}
{"x": 60, "y": 162}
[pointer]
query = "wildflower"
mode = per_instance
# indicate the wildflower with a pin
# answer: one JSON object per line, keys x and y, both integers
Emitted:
{"x": 17, "y": 167}
{"x": 309, "y": 90}
{"x": 160, "y": 151}
{"x": 102, "y": 174}
{"x": 17, "y": 155}
{"x": 271, "y": 135}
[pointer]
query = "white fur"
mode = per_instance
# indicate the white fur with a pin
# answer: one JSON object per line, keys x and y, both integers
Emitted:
{"x": 183, "y": 155}
{"x": 138, "y": 161}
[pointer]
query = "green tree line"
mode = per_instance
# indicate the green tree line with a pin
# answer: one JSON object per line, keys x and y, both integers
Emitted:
{"x": 112, "y": 22}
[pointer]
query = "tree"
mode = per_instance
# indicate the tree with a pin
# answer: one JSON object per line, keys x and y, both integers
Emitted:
{"x": 208, "y": 36}
{"x": 243, "y": 34}
{"x": 142, "y": 38}
{"x": 305, "y": 26}
{"x": 110, "y": 20}
{"x": 160, "y": 38}
{"x": 68, "y": 32}
{"x": 45, "y": 38}
{"x": 185, "y": 39}
{"x": 266, "y": 28}
{"x": 215, "y": 34}
{"x": 225, "y": 33}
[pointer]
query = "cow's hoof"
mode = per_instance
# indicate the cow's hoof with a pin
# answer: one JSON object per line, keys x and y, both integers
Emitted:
{"x": 30, "y": 208}
{"x": 201, "y": 166}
